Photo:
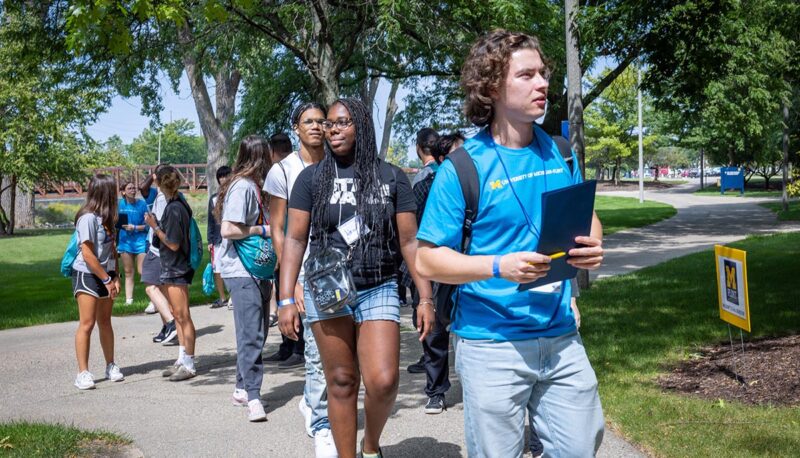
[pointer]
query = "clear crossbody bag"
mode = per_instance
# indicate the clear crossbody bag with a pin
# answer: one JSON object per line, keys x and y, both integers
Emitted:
{"x": 329, "y": 280}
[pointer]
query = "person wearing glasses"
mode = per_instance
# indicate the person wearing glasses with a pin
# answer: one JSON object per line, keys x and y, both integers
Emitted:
{"x": 307, "y": 120}
{"x": 357, "y": 203}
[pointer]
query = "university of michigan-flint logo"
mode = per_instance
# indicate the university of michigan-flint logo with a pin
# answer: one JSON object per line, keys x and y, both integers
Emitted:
{"x": 731, "y": 289}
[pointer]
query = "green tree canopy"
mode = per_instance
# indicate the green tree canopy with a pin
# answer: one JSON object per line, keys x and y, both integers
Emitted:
{"x": 178, "y": 145}
{"x": 47, "y": 98}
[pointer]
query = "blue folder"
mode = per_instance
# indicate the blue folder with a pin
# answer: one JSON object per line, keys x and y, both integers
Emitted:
{"x": 566, "y": 214}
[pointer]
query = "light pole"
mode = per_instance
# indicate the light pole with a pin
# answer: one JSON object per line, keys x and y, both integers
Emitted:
{"x": 641, "y": 146}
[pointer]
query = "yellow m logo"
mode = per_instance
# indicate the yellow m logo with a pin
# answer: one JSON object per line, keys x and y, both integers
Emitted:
{"x": 496, "y": 184}
{"x": 730, "y": 277}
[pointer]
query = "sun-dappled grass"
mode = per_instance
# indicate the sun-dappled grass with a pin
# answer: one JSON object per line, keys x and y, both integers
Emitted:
{"x": 793, "y": 214}
{"x": 24, "y": 439}
{"x": 636, "y": 325}
{"x": 32, "y": 291}
{"x": 619, "y": 213}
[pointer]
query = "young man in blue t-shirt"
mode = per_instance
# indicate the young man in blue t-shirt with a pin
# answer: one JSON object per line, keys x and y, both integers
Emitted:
{"x": 515, "y": 350}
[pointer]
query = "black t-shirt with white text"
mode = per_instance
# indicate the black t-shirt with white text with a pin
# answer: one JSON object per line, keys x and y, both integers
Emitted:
{"x": 397, "y": 198}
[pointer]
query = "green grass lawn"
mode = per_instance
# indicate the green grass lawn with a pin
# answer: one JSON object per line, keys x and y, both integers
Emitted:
{"x": 23, "y": 439}
{"x": 34, "y": 292}
{"x": 793, "y": 214}
{"x": 619, "y": 213}
{"x": 637, "y": 325}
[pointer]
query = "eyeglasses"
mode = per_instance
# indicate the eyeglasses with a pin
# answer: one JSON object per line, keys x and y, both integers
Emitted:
{"x": 340, "y": 124}
{"x": 308, "y": 123}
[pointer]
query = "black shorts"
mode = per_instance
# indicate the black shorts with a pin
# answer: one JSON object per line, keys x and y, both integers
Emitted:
{"x": 151, "y": 269}
{"x": 185, "y": 279}
{"x": 90, "y": 284}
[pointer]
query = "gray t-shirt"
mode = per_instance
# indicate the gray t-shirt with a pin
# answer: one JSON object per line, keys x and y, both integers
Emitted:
{"x": 90, "y": 229}
{"x": 158, "y": 210}
{"x": 279, "y": 183}
{"x": 422, "y": 174}
{"x": 241, "y": 207}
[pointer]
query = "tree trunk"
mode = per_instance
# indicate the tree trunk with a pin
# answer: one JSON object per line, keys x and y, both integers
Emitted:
{"x": 12, "y": 214}
{"x": 368, "y": 92}
{"x": 785, "y": 165}
{"x": 24, "y": 209}
{"x": 4, "y": 222}
{"x": 391, "y": 109}
{"x": 217, "y": 128}
{"x": 617, "y": 169}
{"x": 575, "y": 103}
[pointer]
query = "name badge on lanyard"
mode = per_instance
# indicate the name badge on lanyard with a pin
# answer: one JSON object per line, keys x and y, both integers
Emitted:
{"x": 353, "y": 229}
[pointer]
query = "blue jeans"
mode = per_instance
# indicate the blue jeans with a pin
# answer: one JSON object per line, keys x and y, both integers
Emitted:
{"x": 380, "y": 302}
{"x": 315, "y": 391}
{"x": 550, "y": 376}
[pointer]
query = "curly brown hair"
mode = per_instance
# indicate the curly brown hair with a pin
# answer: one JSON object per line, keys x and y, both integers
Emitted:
{"x": 486, "y": 68}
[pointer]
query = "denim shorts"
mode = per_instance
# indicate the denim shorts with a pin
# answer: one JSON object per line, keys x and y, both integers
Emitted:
{"x": 372, "y": 304}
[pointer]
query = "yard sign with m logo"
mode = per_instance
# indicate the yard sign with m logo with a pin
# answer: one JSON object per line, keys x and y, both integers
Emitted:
{"x": 732, "y": 284}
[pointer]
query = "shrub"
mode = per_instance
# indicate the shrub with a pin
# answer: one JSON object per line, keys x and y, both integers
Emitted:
{"x": 56, "y": 214}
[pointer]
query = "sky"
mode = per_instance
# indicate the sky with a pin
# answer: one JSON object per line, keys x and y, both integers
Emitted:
{"x": 124, "y": 117}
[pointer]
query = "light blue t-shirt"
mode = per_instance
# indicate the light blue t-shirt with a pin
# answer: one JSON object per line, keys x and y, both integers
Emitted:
{"x": 134, "y": 241}
{"x": 493, "y": 308}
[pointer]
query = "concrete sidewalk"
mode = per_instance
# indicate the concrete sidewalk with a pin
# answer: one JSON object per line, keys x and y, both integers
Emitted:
{"x": 195, "y": 418}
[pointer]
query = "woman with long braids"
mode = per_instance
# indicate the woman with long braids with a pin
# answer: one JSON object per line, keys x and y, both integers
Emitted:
{"x": 241, "y": 209}
{"x": 95, "y": 282}
{"x": 357, "y": 203}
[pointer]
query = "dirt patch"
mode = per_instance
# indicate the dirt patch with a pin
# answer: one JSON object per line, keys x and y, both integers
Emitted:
{"x": 108, "y": 449}
{"x": 768, "y": 372}
{"x": 633, "y": 185}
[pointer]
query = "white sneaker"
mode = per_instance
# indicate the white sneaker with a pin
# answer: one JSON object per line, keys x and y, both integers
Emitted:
{"x": 305, "y": 410}
{"x": 239, "y": 398}
{"x": 151, "y": 308}
{"x": 256, "y": 412}
{"x": 324, "y": 447}
{"x": 230, "y": 303}
{"x": 113, "y": 373}
{"x": 84, "y": 381}
{"x": 129, "y": 301}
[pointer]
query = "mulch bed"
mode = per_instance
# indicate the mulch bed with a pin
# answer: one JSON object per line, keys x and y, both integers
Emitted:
{"x": 767, "y": 373}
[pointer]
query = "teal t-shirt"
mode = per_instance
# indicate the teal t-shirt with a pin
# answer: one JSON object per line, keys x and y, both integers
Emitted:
{"x": 493, "y": 308}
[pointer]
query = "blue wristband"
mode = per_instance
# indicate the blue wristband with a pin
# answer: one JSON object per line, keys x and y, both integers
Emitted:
{"x": 264, "y": 231}
{"x": 496, "y": 266}
{"x": 285, "y": 302}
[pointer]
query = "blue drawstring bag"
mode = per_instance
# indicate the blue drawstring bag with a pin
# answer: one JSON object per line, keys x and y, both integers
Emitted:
{"x": 69, "y": 255}
{"x": 208, "y": 280}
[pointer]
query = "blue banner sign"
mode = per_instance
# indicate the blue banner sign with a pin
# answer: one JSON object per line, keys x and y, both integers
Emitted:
{"x": 731, "y": 178}
{"x": 565, "y": 129}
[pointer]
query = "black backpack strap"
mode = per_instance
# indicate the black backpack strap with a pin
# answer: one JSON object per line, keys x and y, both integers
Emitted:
{"x": 566, "y": 151}
{"x": 468, "y": 179}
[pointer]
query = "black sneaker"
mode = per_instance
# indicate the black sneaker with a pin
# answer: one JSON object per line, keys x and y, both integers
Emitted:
{"x": 160, "y": 336}
{"x": 273, "y": 320}
{"x": 277, "y": 356}
{"x": 292, "y": 361}
{"x": 171, "y": 334}
{"x": 418, "y": 367}
{"x": 218, "y": 304}
{"x": 436, "y": 404}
